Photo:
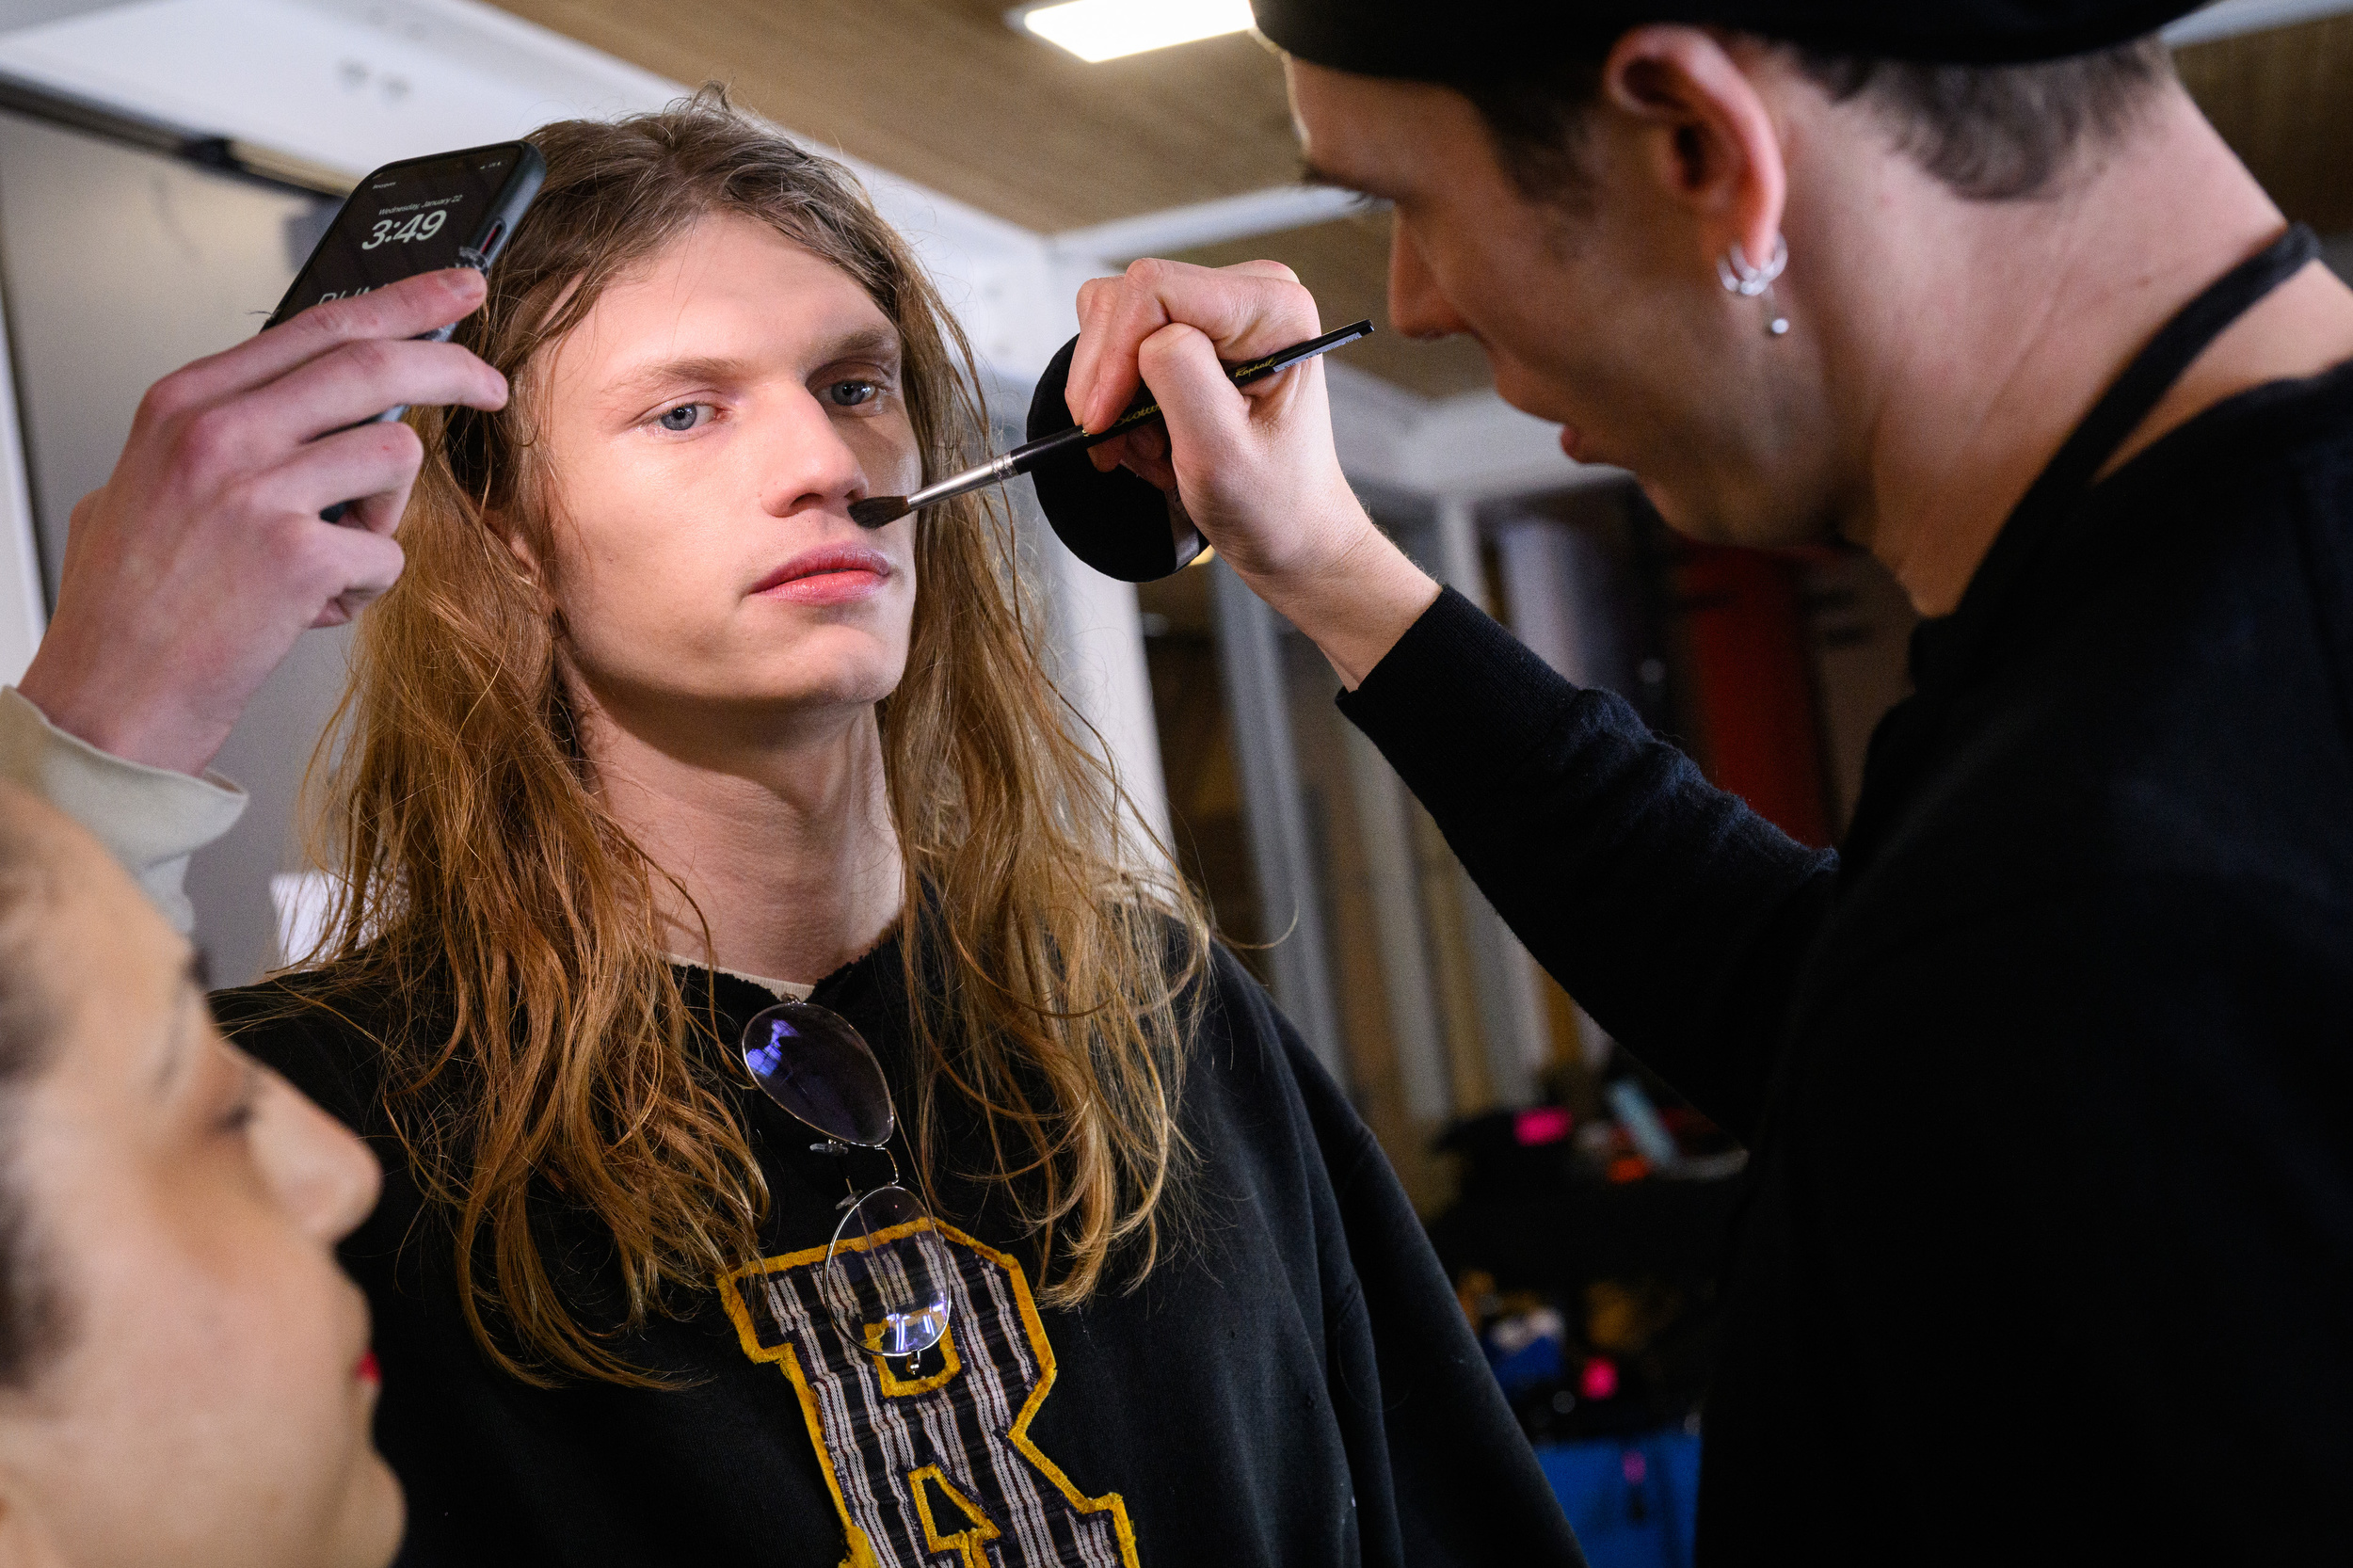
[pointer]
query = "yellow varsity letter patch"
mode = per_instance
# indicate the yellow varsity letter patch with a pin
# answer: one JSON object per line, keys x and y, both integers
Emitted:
{"x": 929, "y": 1459}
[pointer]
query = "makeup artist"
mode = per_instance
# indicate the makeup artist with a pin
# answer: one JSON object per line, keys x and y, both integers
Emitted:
{"x": 2048, "y": 1070}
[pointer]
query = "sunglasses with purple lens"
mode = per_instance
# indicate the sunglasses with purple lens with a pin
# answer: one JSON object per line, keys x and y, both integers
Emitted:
{"x": 887, "y": 1269}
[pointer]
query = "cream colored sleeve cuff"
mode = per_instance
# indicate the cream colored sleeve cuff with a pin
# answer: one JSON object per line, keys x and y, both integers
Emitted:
{"x": 151, "y": 819}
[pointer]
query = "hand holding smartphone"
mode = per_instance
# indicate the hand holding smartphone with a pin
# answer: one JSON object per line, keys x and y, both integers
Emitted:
{"x": 420, "y": 215}
{"x": 190, "y": 573}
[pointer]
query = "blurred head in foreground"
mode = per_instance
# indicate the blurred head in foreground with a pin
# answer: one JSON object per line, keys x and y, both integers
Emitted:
{"x": 185, "y": 1373}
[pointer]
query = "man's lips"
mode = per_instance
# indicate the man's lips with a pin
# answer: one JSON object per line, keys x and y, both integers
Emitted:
{"x": 831, "y": 574}
{"x": 367, "y": 1370}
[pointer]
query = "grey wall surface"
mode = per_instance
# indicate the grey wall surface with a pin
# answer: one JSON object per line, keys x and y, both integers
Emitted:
{"x": 120, "y": 266}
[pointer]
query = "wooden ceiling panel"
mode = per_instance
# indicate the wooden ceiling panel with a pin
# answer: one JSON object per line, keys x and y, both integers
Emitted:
{"x": 1345, "y": 264}
{"x": 2283, "y": 100}
{"x": 946, "y": 95}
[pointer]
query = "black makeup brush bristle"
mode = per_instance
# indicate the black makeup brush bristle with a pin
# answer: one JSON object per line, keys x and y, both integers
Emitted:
{"x": 876, "y": 510}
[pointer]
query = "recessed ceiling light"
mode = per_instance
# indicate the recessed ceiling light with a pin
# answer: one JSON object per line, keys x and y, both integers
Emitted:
{"x": 1106, "y": 29}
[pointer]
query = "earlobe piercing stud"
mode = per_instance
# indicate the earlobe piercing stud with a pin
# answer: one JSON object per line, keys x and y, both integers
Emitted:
{"x": 1742, "y": 276}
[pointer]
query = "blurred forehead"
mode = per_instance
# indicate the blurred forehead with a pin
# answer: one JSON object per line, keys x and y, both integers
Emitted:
{"x": 1375, "y": 136}
{"x": 113, "y": 976}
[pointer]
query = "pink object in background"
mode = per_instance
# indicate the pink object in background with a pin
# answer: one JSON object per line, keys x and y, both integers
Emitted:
{"x": 1545, "y": 1123}
{"x": 1600, "y": 1380}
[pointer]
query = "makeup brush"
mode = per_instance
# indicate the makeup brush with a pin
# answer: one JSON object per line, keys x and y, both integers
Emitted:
{"x": 876, "y": 510}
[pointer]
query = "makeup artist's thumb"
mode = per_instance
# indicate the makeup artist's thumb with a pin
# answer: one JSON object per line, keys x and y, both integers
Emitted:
{"x": 1208, "y": 417}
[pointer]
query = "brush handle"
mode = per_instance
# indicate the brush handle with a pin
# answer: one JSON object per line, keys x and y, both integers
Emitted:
{"x": 1028, "y": 456}
{"x": 1021, "y": 460}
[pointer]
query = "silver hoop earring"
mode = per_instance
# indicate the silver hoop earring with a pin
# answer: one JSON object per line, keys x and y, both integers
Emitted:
{"x": 1740, "y": 276}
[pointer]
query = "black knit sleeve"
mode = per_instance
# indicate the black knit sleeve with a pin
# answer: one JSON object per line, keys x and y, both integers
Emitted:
{"x": 1666, "y": 907}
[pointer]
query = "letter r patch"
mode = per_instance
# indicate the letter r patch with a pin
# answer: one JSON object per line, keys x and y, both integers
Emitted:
{"x": 932, "y": 1466}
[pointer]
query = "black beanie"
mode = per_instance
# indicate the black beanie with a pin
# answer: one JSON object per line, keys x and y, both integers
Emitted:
{"x": 1471, "y": 39}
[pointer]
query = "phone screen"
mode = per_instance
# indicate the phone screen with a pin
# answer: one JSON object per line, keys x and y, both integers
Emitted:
{"x": 412, "y": 218}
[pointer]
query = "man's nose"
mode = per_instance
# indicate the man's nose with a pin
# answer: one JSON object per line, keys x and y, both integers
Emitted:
{"x": 810, "y": 464}
{"x": 1417, "y": 306}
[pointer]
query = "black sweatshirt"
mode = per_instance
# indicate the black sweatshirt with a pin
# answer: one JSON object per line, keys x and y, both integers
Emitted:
{"x": 1295, "y": 1384}
{"x": 2049, "y": 1084}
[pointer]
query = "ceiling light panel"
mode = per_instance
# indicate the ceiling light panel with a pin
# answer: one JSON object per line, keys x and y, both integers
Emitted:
{"x": 1106, "y": 29}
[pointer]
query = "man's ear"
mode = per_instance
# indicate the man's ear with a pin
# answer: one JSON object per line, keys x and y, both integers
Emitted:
{"x": 527, "y": 566}
{"x": 515, "y": 544}
{"x": 1714, "y": 146}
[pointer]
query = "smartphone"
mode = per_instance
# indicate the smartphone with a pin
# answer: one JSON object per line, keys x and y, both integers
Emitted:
{"x": 420, "y": 215}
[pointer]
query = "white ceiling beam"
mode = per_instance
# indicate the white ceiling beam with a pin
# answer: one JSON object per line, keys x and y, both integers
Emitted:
{"x": 327, "y": 82}
{"x": 2230, "y": 18}
{"x": 1229, "y": 218}
{"x": 1473, "y": 447}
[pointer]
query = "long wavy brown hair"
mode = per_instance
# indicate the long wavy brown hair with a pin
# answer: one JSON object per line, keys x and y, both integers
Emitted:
{"x": 1053, "y": 974}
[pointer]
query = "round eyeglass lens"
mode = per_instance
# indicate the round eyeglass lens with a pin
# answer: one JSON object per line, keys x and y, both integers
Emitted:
{"x": 814, "y": 1064}
{"x": 886, "y": 1274}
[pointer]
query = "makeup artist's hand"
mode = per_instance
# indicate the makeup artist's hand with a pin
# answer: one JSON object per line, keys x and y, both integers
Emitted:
{"x": 1252, "y": 466}
{"x": 189, "y": 575}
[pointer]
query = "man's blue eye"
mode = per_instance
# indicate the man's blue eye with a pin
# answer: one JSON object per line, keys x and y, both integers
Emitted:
{"x": 849, "y": 395}
{"x": 684, "y": 417}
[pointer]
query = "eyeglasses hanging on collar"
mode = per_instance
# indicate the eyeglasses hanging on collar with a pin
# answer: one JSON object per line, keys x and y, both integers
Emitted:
{"x": 886, "y": 1280}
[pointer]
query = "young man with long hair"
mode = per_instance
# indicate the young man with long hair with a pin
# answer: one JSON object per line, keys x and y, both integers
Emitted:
{"x": 812, "y": 1133}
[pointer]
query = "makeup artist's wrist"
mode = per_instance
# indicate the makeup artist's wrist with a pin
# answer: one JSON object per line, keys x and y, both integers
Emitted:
{"x": 1354, "y": 605}
{"x": 138, "y": 721}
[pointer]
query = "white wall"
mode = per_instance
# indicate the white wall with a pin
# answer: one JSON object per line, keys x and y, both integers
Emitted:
{"x": 123, "y": 264}
{"x": 24, "y": 607}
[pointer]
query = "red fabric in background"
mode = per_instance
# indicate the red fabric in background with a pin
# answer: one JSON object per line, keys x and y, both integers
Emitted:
{"x": 1760, "y": 737}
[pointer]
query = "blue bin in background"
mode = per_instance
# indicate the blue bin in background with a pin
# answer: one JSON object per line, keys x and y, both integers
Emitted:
{"x": 1631, "y": 1500}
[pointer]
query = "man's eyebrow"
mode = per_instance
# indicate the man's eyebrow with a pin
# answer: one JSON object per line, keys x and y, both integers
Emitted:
{"x": 173, "y": 1058}
{"x": 868, "y": 343}
{"x": 720, "y": 369}
{"x": 698, "y": 367}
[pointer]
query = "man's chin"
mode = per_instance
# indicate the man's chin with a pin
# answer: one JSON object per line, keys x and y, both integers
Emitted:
{"x": 1678, "y": 513}
{"x": 817, "y": 695}
{"x": 1745, "y": 522}
{"x": 828, "y": 667}
{"x": 374, "y": 1518}
{"x": 1531, "y": 394}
